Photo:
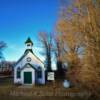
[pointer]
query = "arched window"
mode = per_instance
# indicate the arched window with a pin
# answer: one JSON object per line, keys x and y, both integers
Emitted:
{"x": 39, "y": 72}
{"x": 18, "y": 72}
{"x": 28, "y": 45}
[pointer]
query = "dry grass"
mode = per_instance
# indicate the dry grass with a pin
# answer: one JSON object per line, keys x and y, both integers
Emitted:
{"x": 8, "y": 91}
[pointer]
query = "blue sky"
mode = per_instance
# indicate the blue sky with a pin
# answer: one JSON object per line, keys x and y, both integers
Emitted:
{"x": 20, "y": 19}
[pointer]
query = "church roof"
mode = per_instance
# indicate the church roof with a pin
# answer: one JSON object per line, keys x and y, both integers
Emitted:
{"x": 28, "y": 41}
{"x": 21, "y": 58}
{"x": 25, "y": 55}
{"x": 27, "y": 50}
{"x": 32, "y": 66}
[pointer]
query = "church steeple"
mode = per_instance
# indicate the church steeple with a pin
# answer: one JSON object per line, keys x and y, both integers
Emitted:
{"x": 28, "y": 44}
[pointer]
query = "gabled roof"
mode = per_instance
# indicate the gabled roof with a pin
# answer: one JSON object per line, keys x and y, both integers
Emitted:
{"x": 38, "y": 58}
{"x": 25, "y": 53}
{"x": 29, "y": 65}
{"x": 27, "y": 50}
{"x": 21, "y": 58}
{"x": 28, "y": 41}
{"x": 30, "y": 50}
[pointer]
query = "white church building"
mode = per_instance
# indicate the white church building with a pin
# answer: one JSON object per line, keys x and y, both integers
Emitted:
{"x": 29, "y": 69}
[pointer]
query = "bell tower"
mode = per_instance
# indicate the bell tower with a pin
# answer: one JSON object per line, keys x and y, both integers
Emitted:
{"x": 29, "y": 44}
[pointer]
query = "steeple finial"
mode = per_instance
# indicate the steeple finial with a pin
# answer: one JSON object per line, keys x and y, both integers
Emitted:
{"x": 28, "y": 41}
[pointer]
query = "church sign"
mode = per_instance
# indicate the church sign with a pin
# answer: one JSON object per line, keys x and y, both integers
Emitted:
{"x": 50, "y": 76}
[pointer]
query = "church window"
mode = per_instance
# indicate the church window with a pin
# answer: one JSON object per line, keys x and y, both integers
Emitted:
{"x": 39, "y": 72}
{"x": 28, "y": 45}
{"x": 18, "y": 73}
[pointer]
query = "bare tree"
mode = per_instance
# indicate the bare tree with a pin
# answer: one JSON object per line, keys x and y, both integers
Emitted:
{"x": 60, "y": 72}
{"x": 46, "y": 39}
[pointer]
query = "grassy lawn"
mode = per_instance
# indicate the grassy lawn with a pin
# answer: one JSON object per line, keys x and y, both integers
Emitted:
{"x": 8, "y": 91}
